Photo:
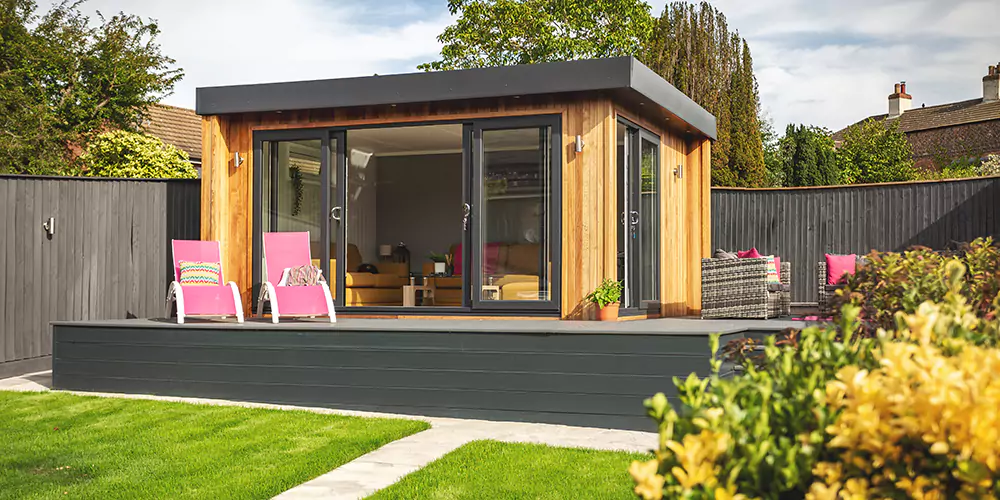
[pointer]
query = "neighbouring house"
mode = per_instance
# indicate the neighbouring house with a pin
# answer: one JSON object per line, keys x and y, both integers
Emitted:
{"x": 536, "y": 181}
{"x": 180, "y": 127}
{"x": 941, "y": 133}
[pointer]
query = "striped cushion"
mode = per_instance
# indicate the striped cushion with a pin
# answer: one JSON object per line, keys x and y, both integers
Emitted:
{"x": 200, "y": 273}
{"x": 773, "y": 278}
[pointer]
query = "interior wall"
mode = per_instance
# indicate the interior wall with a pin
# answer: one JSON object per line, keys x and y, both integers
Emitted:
{"x": 420, "y": 204}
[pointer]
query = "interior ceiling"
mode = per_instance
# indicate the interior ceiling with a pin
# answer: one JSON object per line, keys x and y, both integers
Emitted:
{"x": 398, "y": 141}
{"x": 435, "y": 139}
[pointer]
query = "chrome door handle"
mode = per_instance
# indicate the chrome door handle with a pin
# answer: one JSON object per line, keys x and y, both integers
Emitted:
{"x": 466, "y": 212}
{"x": 335, "y": 213}
{"x": 635, "y": 217}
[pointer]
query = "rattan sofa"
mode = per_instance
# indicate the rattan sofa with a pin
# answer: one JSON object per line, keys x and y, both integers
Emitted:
{"x": 738, "y": 288}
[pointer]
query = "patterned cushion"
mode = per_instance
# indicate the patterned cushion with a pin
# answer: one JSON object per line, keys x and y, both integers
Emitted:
{"x": 773, "y": 278}
{"x": 303, "y": 276}
{"x": 200, "y": 273}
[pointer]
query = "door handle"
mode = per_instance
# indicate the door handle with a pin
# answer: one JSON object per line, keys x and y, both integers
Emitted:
{"x": 335, "y": 213}
{"x": 635, "y": 217}
{"x": 466, "y": 212}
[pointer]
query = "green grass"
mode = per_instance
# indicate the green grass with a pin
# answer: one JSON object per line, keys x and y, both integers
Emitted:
{"x": 64, "y": 446}
{"x": 490, "y": 469}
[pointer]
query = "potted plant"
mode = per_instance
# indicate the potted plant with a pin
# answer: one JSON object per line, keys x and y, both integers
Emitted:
{"x": 440, "y": 262}
{"x": 607, "y": 296}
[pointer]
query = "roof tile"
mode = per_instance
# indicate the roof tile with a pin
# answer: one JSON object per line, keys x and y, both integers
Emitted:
{"x": 177, "y": 126}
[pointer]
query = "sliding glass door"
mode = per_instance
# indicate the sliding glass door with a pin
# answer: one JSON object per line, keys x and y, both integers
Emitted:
{"x": 295, "y": 188}
{"x": 638, "y": 181}
{"x": 515, "y": 213}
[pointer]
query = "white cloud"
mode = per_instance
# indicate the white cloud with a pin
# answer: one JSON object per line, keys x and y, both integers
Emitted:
{"x": 227, "y": 42}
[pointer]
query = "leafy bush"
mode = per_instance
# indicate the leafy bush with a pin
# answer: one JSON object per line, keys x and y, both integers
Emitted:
{"x": 608, "y": 292}
{"x": 891, "y": 282}
{"x": 875, "y": 151}
{"x": 132, "y": 155}
{"x": 814, "y": 420}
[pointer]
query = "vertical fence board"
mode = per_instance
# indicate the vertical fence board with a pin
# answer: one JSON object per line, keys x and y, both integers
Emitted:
{"x": 801, "y": 225}
{"x": 6, "y": 208}
{"x": 106, "y": 260}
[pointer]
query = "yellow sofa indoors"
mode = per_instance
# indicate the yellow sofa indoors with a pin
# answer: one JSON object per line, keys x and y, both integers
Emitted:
{"x": 367, "y": 289}
{"x": 515, "y": 272}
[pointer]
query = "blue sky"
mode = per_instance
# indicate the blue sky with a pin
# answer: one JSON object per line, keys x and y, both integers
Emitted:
{"x": 827, "y": 63}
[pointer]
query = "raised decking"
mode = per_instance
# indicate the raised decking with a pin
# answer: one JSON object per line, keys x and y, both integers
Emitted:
{"x": 568, "y": 372}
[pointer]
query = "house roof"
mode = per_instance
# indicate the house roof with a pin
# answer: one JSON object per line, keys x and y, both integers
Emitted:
{"x": 180, "y": 127}
{"x": 624, "y": 77}
{"x": 942, "y": 115}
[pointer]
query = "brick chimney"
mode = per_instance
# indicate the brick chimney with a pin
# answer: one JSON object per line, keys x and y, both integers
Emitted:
{"x": 991, "y": 84}
{"x": 899, "y": 101}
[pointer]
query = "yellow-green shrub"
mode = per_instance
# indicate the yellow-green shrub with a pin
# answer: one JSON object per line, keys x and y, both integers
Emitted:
{"x": 912, "y": 412}
{"x": 135, "y": 156}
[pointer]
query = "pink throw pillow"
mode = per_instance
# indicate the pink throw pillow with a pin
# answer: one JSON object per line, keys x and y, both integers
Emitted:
{"x": 777, "y": 264}
{"x": 749, "y": 254}
{"x": 837, "y": 266}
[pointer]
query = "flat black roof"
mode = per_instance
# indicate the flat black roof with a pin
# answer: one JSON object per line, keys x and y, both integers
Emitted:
{"x": 625, "y": 77}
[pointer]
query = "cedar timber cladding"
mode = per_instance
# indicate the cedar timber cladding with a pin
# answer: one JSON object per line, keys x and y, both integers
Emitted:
{"x": 588, "y": 191}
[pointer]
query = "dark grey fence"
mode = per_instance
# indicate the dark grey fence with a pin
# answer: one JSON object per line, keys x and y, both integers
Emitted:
{"x": 801, "y": 225}
{"x": 108, "y": 255}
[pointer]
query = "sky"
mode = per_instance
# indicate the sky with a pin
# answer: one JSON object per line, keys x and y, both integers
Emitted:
{"x": 819, "y": 62}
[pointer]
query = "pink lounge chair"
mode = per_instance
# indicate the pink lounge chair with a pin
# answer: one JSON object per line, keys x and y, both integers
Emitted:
{"x": 202, "y": 300}
{"x": 283, "y": 251}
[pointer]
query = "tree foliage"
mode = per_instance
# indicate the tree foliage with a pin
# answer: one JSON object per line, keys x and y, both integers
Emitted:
{"x": 508, "y": 32}
{"x": 133, "y": 155}
{"x": 875, "y": 151}
{"x": 690, "y": 46}
{"x": 64, "y": 78}
{"x": 808, "y": 157}
{"x": 693, "y": 48}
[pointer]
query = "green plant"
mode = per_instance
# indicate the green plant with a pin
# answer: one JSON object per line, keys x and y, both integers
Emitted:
{"x": 437, "y": 257}
{"x": 120, "y": 153}
{"x": 875, "y": 151}
{"x": 489, "y": 33}
{"x": 608, "y": 292}
{"x": 813, "y": 419}
{"x": 891, "y": 281}
{"x": 807, "y": 157}
{"x": 65, "y": 77}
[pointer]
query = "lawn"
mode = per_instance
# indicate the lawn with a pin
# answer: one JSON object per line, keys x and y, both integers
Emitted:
{"x": 490, "y": 469}
{"x": 65, "y": 446}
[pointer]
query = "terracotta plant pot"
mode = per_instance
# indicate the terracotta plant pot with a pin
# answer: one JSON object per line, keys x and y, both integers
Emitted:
{"x": 608, "y": 312}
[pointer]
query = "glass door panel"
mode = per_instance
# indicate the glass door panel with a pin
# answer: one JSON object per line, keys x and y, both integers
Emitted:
{"x": 403, "y": 216}
{"x": 649, "y": 220}
{"x": 638, "y": 179}
{"x": 627, "y": 230}
{"x": 514, "y": 257}
{"x": 292, "y": 170}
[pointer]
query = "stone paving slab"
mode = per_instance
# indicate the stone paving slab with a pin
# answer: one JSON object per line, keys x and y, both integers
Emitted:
{"x": 388, "y": 464}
